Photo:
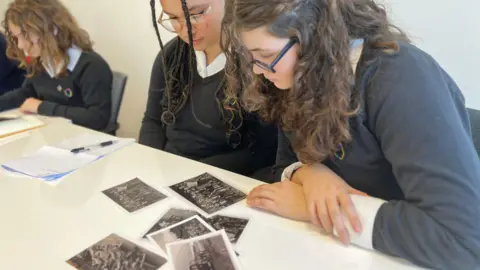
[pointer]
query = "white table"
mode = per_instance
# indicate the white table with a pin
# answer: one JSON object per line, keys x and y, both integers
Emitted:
{"x": 20, "y": 129}
{"x": 42, "y": 226}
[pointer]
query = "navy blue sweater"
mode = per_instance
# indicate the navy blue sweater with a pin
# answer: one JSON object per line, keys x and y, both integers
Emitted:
{"x": 11, "y": 76}
{"x": 412, "y": 147}
{"x": 83, "y": 95}
{"x": 188, "y": 138}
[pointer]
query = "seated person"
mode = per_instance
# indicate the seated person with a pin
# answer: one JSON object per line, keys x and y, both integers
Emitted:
{"x": 11, "y": 76}
{"x": 362, "y": 111}
{"x": 65, "y": 77}
{"x": 185, "y": 114}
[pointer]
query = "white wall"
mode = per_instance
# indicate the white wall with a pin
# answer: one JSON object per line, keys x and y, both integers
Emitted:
{"x": 448, "y": 30}
{"x": 122, "y": 31}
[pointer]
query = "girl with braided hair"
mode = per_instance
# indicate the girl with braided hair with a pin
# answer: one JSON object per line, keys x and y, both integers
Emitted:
{"x": 185, "y": 113}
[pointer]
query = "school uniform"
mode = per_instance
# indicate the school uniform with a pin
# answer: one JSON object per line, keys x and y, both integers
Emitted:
{"x": 11, "y": 77}
{"x": 199, "y": 131}
{"x": 83, "y": 95}
{"x": 412, "y": 148}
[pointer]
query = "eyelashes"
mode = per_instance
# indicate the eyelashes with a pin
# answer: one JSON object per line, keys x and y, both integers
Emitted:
{"x": 266, "y": 56}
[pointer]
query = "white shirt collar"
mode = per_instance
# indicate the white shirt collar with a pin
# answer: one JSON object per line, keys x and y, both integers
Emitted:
{"x": 356, "y": 52}
{"x": 216, "y": 66}
{"x": 74, "y": 54}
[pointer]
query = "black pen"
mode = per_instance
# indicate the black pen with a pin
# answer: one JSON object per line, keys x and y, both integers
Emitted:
{"x": 90, "y": 147}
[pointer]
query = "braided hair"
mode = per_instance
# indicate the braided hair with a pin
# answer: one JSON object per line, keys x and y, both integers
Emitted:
{"x": 177, "y": 77}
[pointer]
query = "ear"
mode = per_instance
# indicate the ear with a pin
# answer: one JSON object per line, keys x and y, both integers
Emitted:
{"x": 55, "y": 30}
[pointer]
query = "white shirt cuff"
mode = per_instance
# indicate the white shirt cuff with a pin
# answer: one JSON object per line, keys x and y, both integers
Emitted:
{"x": 288, "y": 172}
{"x": 367, "y": 208}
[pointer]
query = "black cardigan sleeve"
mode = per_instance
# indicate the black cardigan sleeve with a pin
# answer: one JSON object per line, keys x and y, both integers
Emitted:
{"x": 260, "y": 153}
{"x": 152, "y": 132}
{"x": 6, "y": 66}
{"x": 418, "y": 114}
{"x": 15, "y": 98}
{"x": 285, "y": 155}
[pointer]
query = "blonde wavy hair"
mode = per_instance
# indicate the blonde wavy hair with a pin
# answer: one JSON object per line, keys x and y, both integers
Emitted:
{"x": 55, "y": 26}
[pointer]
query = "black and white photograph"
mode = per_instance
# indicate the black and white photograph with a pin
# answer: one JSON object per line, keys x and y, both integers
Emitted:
{"x": 208, "y": 193}
{"x": 233, "y": 226}
{"x": 116, "y": 253}
{"x": 212, "y": 251}
{"x": 134, "y": 195}
{"x": 171, "y": 217}
{"x": 188, "y": 228}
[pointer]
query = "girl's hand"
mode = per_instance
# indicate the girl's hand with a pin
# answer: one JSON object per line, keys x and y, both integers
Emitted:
{"x": 285, "y": 199}
{"x": 328, "y": 200}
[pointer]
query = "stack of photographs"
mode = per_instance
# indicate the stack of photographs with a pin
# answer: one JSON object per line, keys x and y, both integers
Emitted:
{"x": 211, "y": 251}
{"x": 233, "y": 226}
{"x": 115, "y": 252}
{"x": 186, "y": 229}
{"x": 197, "y": 238}
{"x": 171, "y": 217}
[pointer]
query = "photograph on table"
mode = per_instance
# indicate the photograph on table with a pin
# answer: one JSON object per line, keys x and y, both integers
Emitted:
{"x": 209, "y": 251}
{"x": 208, "y": 193}
{"x": 188, "y": 228}
{"x": 169, "y": 218}
{"x": 134, "y": 195}
{"x": 233, "y": 226}
{"x": 116, "y": 252}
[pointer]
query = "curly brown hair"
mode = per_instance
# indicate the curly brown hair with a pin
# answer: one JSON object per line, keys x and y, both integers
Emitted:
{"x": 55, "y": 26}
{"x": 323, "y": 96}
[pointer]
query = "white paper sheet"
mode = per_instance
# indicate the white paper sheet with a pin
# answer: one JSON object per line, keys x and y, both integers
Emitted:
{"x": 87, "y": 139}
{"x": 25, "y": 122}
{"x": 48, "y": 161}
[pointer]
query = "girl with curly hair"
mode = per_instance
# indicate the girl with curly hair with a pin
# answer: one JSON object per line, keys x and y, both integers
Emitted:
{"x": 362, "y": 111}
{"x": 65, "y": 77}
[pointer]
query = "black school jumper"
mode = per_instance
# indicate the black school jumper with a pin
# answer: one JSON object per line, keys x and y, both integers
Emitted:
{"x": 190, "y": 139}
{"x": 82, "y": 95}
{"x": 411, "y": 146}
{"x": 11, "y": 77}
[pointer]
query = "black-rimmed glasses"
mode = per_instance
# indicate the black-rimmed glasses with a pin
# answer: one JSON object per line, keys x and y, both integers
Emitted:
{"x": 270, "y": 67}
